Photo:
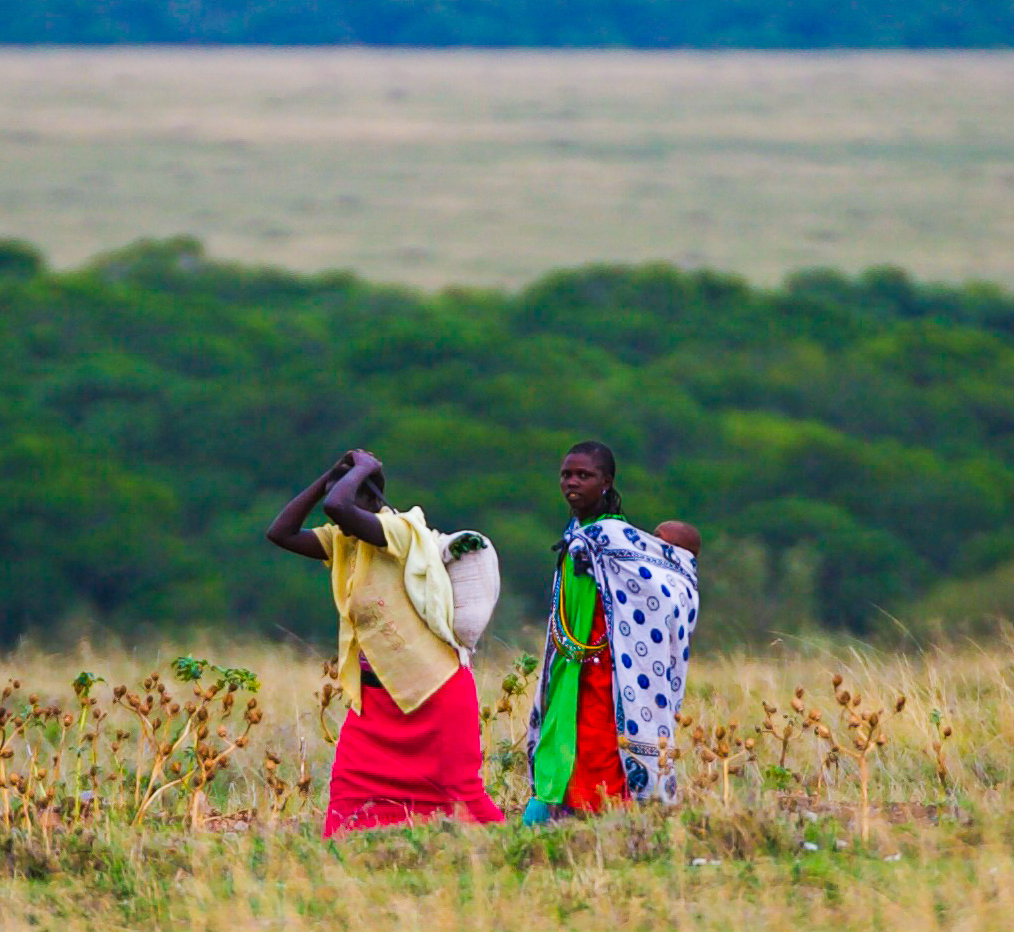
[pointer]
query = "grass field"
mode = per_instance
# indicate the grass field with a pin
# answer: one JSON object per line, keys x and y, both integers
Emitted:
{"x": 785, "y": 851}
{"x": 437, "y": 168}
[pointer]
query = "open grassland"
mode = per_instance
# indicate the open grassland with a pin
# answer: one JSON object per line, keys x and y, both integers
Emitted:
{"x": 783, "y": 850}
{"x": 490, "y": 167}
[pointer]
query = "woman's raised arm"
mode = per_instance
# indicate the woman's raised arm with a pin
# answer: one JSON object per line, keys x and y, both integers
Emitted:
{"x": 287, "y": 529}
{"x": 352, "y": 506}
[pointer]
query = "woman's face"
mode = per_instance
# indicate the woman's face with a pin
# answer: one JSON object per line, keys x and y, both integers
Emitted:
{"x": 583, "y": 484}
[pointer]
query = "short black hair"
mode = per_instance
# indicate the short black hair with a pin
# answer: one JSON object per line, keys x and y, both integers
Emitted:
{"x": 599, "y": 452}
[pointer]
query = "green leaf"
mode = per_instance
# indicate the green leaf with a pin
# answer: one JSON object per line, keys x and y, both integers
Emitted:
{"x": 238, "y": 677}
{"x": 526, "y": 664}
{"x": 187, "y": 668}
{"x": 84, "y": 683}
{"x": 777, "y": 778}
{"x": 510, "y": 684}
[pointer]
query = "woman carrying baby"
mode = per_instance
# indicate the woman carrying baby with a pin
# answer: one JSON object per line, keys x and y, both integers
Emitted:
{"x": 624, "y": 606}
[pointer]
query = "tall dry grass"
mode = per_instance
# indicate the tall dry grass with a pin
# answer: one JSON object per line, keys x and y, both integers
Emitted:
{"x": 785, "y": 851}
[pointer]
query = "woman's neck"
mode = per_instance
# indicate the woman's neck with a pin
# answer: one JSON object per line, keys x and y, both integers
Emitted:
{"x": 589, "y": 519}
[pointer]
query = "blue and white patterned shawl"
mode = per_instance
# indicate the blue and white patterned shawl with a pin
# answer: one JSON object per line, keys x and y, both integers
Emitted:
{"x": 649, "y": 594}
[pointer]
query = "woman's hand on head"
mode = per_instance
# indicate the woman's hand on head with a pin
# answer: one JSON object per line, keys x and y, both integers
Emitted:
{"x": 339, "y": 469}
{"x": 353, "y": 459}
{"x": 364, "y": 459}
{"x": 350, "y": 500}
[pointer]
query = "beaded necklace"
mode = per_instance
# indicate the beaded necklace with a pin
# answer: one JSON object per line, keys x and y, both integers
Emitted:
{"x": 559, "y": 626}
{"x": 564, "y": 639}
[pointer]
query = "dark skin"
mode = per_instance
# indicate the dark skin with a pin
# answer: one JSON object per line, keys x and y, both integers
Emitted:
{"x": 680, "y": 534}
{"x": 583, "y": 483}
{"x": 347, "y": 502}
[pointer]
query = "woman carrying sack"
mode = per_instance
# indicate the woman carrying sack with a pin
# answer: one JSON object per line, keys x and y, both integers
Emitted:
{"x": 409, "y": 746}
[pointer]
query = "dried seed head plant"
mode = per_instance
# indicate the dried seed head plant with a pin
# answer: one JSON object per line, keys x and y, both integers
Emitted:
{"x": 504, "y": 752}
{"x": 724, "y": 755}
{"x": 867, "y": 727}
{"x": 787, "y": 730}
{"x": 944, "y": 732}
{"x": 70, "y": 766}
{"x": 325, "y": 696}
{"x": 279, "y": 790}
{"x": 163, "y": 747}
{"x": 668, "y": 753}
{"x": 203, "y": 760}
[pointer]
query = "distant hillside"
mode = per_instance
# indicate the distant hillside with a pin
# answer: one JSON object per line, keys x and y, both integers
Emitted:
{"x": 846, "y": 444}
{"x": 649, "y": 24}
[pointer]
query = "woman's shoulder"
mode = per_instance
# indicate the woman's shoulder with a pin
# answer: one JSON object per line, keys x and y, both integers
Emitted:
{"x": 406, "y": 531}
{"x": 414, "y": 518}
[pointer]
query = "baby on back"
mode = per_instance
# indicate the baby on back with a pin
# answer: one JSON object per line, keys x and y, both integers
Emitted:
{"x": 680, "y": 534}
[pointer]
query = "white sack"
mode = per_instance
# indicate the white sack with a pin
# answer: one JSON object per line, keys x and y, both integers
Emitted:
{"x": 475, "y": 578}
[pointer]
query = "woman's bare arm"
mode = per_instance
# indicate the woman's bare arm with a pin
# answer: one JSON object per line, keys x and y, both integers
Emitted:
{"x": 287, "y": 529}
{"x": 344, "y": 503}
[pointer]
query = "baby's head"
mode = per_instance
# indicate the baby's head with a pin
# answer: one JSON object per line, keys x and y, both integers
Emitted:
{"x": 680, "y": 534}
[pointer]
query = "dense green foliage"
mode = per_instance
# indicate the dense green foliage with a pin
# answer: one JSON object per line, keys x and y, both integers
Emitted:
{"x": 845, "y": 444}
{"x": 503, "y": 23}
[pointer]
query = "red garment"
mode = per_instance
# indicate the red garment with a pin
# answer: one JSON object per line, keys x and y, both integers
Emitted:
{"x": 598, "y": 772}
{"x": 390, "y": 767}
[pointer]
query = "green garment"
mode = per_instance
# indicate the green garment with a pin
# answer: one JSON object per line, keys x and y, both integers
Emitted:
{"x": 554, "y": 757}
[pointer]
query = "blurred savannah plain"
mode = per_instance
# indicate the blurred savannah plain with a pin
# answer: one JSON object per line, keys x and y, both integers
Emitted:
{"x": 845, "y": 440}
{"x": 487, "y": 167}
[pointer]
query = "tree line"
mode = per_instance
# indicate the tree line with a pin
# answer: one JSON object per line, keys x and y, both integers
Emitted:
{"x": 647, "y": 24}
{"x": 846, "y": 444}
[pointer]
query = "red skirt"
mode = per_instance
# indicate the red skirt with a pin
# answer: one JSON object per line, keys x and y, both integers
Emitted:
{"x": 391, "y": 767}
{"x": 598, "y": 772}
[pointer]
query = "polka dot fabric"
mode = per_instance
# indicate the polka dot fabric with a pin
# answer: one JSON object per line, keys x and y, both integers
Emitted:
{"x": 649, "y": 593}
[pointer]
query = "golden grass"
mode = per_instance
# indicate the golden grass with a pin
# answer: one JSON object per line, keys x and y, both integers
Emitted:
{"x": 492, "y": 167}
{"x": 786, "y": 858}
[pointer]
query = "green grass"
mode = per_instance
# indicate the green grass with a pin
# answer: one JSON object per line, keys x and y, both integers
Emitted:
{"x": 437, "y": 168}
{"x": 636, "y": 871}
{"x": 782, "y": 855}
